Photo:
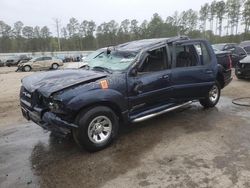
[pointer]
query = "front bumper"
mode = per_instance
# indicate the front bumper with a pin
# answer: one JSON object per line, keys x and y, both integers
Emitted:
{"x": 47, "y": 120}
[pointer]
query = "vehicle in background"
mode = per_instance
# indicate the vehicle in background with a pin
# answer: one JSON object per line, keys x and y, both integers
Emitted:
{"x": 40, "y": 63}
{"x": 242, "y": 70}
{"x": 15, "y": 60}
{"x": 2, "y": 64}
{"x": 225, "y": 64}
{"x": 246, "y": 46}
{"x": 237, "y": 52}
{"x": 131, "y": 83}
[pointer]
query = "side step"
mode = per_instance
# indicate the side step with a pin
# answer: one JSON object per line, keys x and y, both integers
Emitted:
{"x": 143, "y": 118}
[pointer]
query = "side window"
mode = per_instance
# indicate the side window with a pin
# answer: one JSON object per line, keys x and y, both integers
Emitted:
{"x": 47, "y": 58}
{"x": 186, "y": 55}
{"x": 205, "y": 56}
{"x": 155, "y": 61}
{"x": 39, "y": 59}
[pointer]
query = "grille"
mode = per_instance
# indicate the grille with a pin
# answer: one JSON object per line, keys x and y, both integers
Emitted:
{"x": 25, "y": 95}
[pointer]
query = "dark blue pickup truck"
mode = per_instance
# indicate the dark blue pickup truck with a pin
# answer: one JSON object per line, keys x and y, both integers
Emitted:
{"x": 128, "y": 83}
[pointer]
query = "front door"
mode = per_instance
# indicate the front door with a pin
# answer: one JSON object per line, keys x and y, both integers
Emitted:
{"x": 38, "y": 64}
{"x": 152, "y": 85}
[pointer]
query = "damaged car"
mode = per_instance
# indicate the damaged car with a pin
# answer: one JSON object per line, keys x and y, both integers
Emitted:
{"x": 40, "y": 63}
{"x": 131, "y": 83}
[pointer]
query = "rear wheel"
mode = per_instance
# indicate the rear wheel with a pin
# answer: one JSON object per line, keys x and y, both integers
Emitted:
{"x": 98, "y": 126}
{"x": 55, "y": 66}
{"x": 212, "y": 97}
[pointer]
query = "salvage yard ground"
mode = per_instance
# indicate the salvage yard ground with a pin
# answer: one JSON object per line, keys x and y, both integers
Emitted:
{"x": 191, "y": 147}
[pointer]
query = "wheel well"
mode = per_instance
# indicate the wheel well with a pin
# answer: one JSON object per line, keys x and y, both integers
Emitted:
{"x": 27, "y": 66}
{"x": 110, "y": 105}
{"x": 54, "y": 64}
{"x": 220, "y": 79}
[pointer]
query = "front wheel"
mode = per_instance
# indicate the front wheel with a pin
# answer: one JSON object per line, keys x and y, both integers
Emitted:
{"x": 212, "y": 97}
{"x": 98, "y": 126}
{"x": 27, "y": 68}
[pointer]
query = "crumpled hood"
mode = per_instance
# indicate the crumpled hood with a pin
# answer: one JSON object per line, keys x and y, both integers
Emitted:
{"x": 245, "y": 60}
{"x": 50, "y": 82}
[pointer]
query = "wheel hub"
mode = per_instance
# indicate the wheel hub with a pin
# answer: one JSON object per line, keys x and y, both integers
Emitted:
{"x": 99, "y": 129}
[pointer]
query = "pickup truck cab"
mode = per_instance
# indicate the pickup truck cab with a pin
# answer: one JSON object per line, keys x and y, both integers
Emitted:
{"x": 131, "y": 83}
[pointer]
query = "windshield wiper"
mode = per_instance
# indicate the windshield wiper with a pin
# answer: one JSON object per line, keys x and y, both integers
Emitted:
{"x": 103, "y": 69}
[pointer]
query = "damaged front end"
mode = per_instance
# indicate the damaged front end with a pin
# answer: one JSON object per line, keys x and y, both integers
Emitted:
{"x": 39, "y": 109}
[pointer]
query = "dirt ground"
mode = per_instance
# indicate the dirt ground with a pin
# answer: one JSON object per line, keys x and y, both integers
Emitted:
{"x": 10, "y": 82}
{"x": 190, "y": 147}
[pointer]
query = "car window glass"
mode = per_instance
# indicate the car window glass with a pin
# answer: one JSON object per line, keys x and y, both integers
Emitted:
{"x": 205, "y": 56}
{"x": 155, "y": 61}
{"x": 186, "y": 55}
{"x": 47, "y": 58}
{"x": 39, "y": 59}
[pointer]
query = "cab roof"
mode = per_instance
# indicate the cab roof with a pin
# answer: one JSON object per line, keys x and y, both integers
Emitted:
{"x": 147, "y": 43}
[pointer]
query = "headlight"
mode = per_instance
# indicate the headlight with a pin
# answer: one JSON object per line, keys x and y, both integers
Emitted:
{"x": 54, "y": 105}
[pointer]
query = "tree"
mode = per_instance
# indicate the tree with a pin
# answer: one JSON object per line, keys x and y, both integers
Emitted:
{"x": 212, "y": 13}
{"x": 204, "y": 11}
{"x": 246, "y": 15}
{"x": 37, "y": 32}
{"x": 73, "y": 27}
{"x": 45, "y": 33}
{"x": 155, "y": 26}
{"x": 28, "y": 32}
{"x": 134, "y": 29}
{"x": 17, "y": 30}
{"x": 188, "y": 21}
{"x": 220, "y": 12}
{"x": 233, "y": 12}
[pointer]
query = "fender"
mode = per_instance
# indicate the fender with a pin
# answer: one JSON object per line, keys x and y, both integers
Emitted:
{"x": 98, "y": 95}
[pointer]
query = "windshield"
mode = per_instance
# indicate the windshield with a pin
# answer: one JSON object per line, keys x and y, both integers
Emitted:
{"x": 93, "y": 55}
{"x": 115, "y": 60}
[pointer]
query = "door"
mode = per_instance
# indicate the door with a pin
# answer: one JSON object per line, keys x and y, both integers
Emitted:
{"x": 38, "y": 64}
{"x": 193, "y": 69}
{"x": 151, "y": 87}
{"x": 47, "y": 62}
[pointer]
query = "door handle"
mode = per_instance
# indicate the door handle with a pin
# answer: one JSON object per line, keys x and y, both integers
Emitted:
{"x": 208, "y": 71}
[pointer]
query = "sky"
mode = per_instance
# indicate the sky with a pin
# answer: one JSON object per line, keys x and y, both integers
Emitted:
{"x": 42, "y": 12}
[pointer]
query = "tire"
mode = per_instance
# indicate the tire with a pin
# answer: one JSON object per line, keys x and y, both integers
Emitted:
{"x": 213, "y": 96}
{"x": 91, "y": 134}
{"x": 27, "y": 68}
{"x": 54, "y": 66}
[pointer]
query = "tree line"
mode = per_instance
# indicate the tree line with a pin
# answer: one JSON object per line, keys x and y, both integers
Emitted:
{"x": 219, "y": 21}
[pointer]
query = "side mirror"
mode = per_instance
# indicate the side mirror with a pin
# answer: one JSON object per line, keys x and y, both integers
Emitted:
{"x": 134, "y": 72}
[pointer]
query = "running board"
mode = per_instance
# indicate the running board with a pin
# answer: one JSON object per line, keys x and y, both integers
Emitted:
{"x": 140, "y": 119}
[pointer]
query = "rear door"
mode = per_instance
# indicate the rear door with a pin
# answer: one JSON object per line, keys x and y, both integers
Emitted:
{"x": 47, "y": 62}
{"x": 193, "y": 69}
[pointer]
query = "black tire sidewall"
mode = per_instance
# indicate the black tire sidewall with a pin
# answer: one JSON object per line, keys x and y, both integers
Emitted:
{"x": 25, "y": 69}
{"x": 56, "y": 66}
{"x": 81, "y": 134}
{"x": 207, "y": 103}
